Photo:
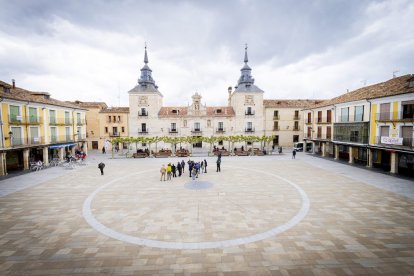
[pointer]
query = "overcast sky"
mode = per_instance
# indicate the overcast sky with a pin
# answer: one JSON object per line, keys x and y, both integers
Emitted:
{"x": 93, "y": 50}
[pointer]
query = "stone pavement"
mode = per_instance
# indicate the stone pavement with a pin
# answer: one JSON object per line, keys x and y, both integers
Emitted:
{"x": 267, "y": 215}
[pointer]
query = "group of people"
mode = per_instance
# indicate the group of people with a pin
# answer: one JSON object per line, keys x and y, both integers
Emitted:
{"x": 194, "y": 169}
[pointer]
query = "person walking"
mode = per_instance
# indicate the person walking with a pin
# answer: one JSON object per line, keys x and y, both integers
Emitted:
{"x": 294, "y": 154}
{"x": 103, "y": 150}
{"x": 194, "y": 172}
{"x": 173, "y": 170}
{"x": 169, "y": 171}
{"x": 197, "y": 167}
{"x": 101, "y": 167}
{"x": 218, "y": 164}
{"x": 162, "y": 171}
{"x": 179, "y": 168}
{"x": 205, "y": 166}
{"x": 202, "y": 166}
{"x": 182, "y": 165}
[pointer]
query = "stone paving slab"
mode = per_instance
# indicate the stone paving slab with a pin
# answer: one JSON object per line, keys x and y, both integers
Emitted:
{"x": 351, "y": 228}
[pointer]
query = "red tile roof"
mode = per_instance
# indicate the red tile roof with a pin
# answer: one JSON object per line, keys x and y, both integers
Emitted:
{"x": 115, "y": 110}
{"x": 8, "y": 92}
{"x": 291, "y": 103}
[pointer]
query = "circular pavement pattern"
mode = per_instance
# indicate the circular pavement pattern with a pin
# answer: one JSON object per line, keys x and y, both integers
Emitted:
{"x": 198, "y": 188}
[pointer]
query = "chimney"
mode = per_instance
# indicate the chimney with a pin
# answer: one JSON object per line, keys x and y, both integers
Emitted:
{"x": 14, "y": 83}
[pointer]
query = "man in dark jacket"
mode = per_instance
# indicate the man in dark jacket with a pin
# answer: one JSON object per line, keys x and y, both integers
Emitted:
{"x": 101, "y": 167}
{"x": 179, "y": 168}
{"x": 182, "y": 165}
{"x": 205, "y": 166}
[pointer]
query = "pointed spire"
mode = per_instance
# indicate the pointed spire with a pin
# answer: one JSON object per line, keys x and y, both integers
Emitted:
{"x": 245, "y": 54}
{"x": 145, "y": 56}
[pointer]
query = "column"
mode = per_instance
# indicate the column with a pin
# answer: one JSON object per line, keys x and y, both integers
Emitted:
{"x": 323, "y": 149}
{"x": 3, "y": 164}
{"x": 369, "y": 153}
{"x": 336, "y": 147}
{"x": 351, "y": 155}
{"x": 46, "y": 156}
{"x": 85, "y": 147}
{"x": 26, "y": 159}
{"x": 61, "y": 153}
{"x": 394, "y": 162}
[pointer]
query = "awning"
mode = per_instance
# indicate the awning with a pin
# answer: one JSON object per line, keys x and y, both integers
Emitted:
{"x": 62, "y": 146}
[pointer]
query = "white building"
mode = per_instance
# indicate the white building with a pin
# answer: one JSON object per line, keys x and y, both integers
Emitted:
{"x": 247, "y": 113}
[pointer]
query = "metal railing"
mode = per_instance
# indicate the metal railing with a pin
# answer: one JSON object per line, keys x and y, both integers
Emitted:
{"x": 173, "y": 130}
{"x": 61, "y": 138}
{"x": 247, "y": 113}
{"x": 114, "y": 121}
{"x": 249, "y": 129}
{"x": 324, "y": 120}
{"x": 275, "y": 128}
{"x": 296, "y": 117}
{"x": 277, "y": 117}
{"x": 389, "y": 116}
{"x": 220, "y": 130}
{"x": 349, "y": 119}
{"x": 114, "y": 134}
{"x": 296, "y": 128}
{"x": 196, "y": 130}
{"x": 28, "y": 120}
{"x": 80, "y": 122}
{"x": 351, "y": 138}
{"x": 60, "y": 121}
{"x": 143, "y": 131}
{"x": 140, "y": 113}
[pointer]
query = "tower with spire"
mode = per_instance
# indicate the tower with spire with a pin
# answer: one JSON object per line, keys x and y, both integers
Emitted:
{"x": 247, "y": 102}
{"x": 145, "y": 100}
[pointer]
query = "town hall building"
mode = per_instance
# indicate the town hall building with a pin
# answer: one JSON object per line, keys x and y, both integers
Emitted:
{"x": 247, "y": 113}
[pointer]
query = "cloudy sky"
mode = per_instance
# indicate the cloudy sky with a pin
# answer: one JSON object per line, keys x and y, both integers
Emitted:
{"x": 93, "y": 50}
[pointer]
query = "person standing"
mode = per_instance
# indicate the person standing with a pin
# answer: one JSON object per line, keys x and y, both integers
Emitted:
{"x": 169, "y": 171}
{"x": 294, "y": 154}
{"x": 162, "y": 171}
{"x": 202, "y": 166}
{"x": 182, "y": 165}
{"x": 103, "y": 150}
{"x": 173, "y": 170}
{"x": 101, "y": 167}
{"x": 190, "y": 167}
{"x": 218, "y": 164}
{"x": 205, "y": 166}
{"x": 179, "y": 168}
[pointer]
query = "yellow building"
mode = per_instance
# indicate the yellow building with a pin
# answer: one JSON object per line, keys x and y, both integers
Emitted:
{"x": 113, "y": 123}
{"x": 92, "y": 122}
{"x": 36, "y": 127}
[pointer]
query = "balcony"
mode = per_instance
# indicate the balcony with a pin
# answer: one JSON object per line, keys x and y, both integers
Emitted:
{"x": 324, "y": 120}
{"x": 80, "y": 122}
{"x": 60, "y": 121}
{"x": 390, "y": 117}
{"x": 277, "y": 117}
{"x": 296, "y": 128}
{"x": 220, "y": 130}
{"x": 18, "y": 141}
{"x": 308, "y": 122}
{"x": 114, "y": 134}
{"x": 28, "y": 120}
{"x": 349, "y": 119}
{"x": 36, "y": 140}
{"x": 247, "y": 113}
{"x": 143, "y": 113}
{"x": 276, "y": 128}
{"x": 395, "y": 142}
{"x": 351, "y": 138}
{"x": 296, "y": 117}
{"x": 61, "y": 139}
{"x": 143, "y": 131}
{"x": 114, "y": 121}
{"x": 196, "y": 131}
{"x": 172, "y": 130}
{"x": 80, "y": 137}
{"x": 249, "y": 129}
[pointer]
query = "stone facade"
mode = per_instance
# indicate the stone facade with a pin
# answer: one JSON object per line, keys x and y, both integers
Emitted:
{"x": 247, "y": 113}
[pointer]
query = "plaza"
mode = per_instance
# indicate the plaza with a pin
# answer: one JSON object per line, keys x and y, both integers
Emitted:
{"x": 261, "y": 215}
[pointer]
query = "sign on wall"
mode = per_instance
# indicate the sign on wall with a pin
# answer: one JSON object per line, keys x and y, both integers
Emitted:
{"x": 391, "y": 140}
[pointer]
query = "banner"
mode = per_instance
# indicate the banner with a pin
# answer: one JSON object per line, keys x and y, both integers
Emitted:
{"x": 391, "y": 140}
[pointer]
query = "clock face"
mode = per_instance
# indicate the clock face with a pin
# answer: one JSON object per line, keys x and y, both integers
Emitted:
{"x": 143, "y": 100}
{"x": 248, "y": 99}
